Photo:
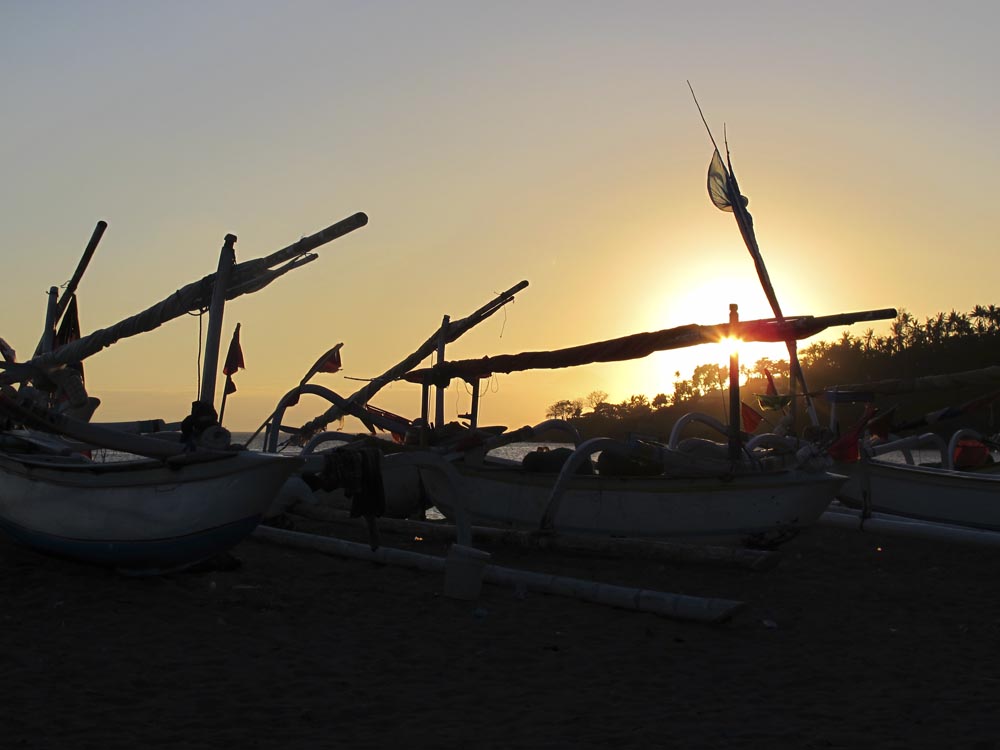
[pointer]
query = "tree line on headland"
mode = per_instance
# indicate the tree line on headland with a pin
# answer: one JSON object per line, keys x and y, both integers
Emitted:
{"x": 944, "y": 343}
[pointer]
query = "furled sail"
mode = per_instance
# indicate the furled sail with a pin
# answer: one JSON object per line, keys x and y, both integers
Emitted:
{"x": 721, "y": 187}
{"x": 639, "y": 345}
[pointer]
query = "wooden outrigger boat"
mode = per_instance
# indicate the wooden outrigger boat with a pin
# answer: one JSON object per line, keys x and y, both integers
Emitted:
{"x": 167, "y": 503}
{"x": 733, "y": 492}
{"x": 917, "y": 476}
{"x": 143, "y": 515}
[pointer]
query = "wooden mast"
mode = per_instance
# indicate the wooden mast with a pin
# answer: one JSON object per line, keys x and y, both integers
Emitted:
{"x": 227, "y": 260}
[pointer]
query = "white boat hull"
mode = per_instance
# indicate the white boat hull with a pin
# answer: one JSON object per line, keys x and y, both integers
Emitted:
{"x": 138, "y": 514}
{"x": 964, "y": 498}
{"x": 745, "y": 509}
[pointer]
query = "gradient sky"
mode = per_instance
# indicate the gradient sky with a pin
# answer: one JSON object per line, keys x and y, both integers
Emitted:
{"x": 488, "y": 142}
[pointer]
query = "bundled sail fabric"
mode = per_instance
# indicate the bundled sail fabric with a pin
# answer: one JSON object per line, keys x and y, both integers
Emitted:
{"x": 772, "y": 400}
{"x": 234, "y": 361}
{"x": 721, "y": 189}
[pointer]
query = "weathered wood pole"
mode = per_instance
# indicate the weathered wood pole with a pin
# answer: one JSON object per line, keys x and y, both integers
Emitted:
{"x": 49, "y": 335}
{"x": 227, "y": 260}
{"x": 734, "y": 393}
{"x": 439, "y": 395}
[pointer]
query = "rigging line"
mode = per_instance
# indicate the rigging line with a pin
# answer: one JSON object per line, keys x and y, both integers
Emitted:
{"x": 710, "y": 136}
{"x": 504, "y": 306}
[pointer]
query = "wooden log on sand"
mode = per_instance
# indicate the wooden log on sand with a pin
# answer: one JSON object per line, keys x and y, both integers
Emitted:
{"x": 675, "y": 606}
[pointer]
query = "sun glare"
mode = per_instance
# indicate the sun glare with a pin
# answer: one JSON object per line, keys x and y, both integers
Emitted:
{"x": 730, "y": 345}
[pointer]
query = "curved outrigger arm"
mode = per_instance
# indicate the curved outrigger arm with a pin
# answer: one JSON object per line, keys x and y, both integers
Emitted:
{"x": 358, "y": 410}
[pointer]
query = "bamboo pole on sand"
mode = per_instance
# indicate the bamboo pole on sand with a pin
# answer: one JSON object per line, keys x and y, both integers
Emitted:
{"x": 886, "y": 523}
{"x": 572, "y": 543}
{"x": 675, "y": 606}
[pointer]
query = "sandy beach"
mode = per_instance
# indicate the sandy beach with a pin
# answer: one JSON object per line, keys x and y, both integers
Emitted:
{"x": 852, "y": 640}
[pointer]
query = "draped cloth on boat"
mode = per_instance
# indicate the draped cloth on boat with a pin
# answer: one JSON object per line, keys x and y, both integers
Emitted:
{"x": 357, "y": 471}
{"x": 639, "y": 345}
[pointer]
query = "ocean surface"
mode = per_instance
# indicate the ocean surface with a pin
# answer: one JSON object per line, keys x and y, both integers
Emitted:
{"x": 513, "y": 451}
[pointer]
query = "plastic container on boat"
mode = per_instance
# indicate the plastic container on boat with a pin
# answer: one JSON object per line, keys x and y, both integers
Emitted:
{"x": 463, "y": 572}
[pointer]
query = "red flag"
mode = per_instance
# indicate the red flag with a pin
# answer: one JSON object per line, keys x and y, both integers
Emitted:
{"x": 329, "y": 362}
{"x": 845, "y": 448}
{"x": 69, "y": 331}
{"x": 234, "y": 361}
{"x": 751, "y": 418}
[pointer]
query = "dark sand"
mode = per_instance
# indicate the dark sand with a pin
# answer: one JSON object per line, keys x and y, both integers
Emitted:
{"x": 853, "y": 640}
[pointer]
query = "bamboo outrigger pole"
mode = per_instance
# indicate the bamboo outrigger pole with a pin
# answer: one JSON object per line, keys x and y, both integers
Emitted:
{"x": 74, "y": 282}
{"x": 448, "y": 332}
{"x": 247, "y": 277}
{"x": 216, "y": 310}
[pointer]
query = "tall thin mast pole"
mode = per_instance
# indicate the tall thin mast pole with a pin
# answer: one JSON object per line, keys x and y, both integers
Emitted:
{"x": 227, "y": 260}
{"x": 439, "y": 394}
{"x": 734, "y": 393}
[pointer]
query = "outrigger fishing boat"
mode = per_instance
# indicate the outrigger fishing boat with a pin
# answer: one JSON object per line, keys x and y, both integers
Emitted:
{"x": 168, "y": 499}
{"x": 923, "y": 476}
{"x": 735, "y": 492}
{"x": 149, "y": 514}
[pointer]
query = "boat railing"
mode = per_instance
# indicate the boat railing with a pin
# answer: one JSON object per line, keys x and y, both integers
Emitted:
{"x": 274, "y": 425}
{"x": 805, "y": 453}
{"x": 906, "y": 446}
{"x": 514, "y": 436}
{"x": 694, "y": 416}
{"x": 582, "y": 453}
{"x": 330, "y": 436}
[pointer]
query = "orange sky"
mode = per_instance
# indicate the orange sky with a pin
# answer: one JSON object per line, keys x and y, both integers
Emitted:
{"x": 552, "y": 142}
